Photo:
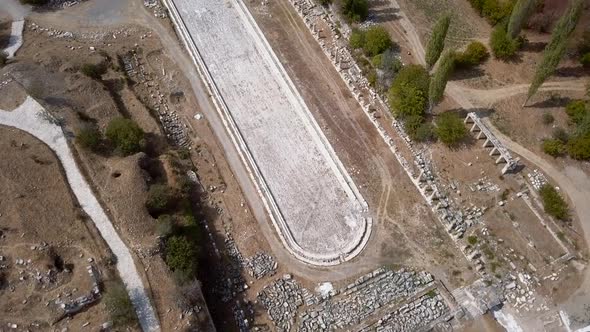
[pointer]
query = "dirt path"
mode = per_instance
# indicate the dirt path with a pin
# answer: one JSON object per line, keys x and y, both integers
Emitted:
{"x": 29, "y": 117}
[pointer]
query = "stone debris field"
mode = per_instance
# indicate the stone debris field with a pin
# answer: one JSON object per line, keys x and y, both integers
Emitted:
{"x": 317, "y": 210}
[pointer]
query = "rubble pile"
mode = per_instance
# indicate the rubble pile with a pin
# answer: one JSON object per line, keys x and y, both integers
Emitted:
{"x": 418, "y": 315}
{"x": 261, "y": 265}
{"x": 537, "y": 179}
{"x": 485, "y": 185}
{"x": 75, "y": 306}
{"x": 281, "y": 299}
{"x": 58, "y": 4}
{"x": 362, "y": 298}
{"x": 156, "y": 7}
{"x": 232, "y": 282}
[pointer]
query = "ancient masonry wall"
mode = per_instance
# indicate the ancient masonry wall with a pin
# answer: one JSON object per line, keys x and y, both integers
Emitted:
{"x": 353, "y": 247}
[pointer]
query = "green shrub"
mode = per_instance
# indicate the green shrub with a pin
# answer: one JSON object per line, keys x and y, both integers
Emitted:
{"x": 547, "y": 118}
{"x": 126, "y": 135}
{"x": 475, "y": 54}
{"x": 553, "y": 203}
{"x": 408, "y": 94}
{"x": 585, "y": 60}
{"x": 355, "y": 10}
{"x": 425, "y": 133}
{"x": 377, "y": 40}
{"x": 161, "y": 198}
{"x": 119, "y": 306}
{"x": 553, "y": 147}
{"x": 578, "y": 147}
{"x": 181, "y": 255}
{"x": 472, "y": 239}
{"x": 94, "y": 71}
{"x": 496, "y": 10}
{"x": 450, "y": 129}
{"x": 503, "y": 46}
{"x": 357, "y": 39}
{"x": 89, "y": 138}
{"x": 577, "y": 110}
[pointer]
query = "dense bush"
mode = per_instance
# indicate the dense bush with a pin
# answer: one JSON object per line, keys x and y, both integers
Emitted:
{"x": 89, "y": 138}
{"x": 436, "y": 43}
{"x": 125, "y": 135}
{"x": 357, "y": 39}
{"x": 577, "y": 110}
{"x": 578, "y": 147}
{"x": 355, "y": 10}
{"x": 377, "y": 40}
{"x": 475, "y": 54}
{"x": 388, "y": 64}
{"x": 119, "y": 305}
{"x": 181, "y": 254}
{"x": 553, "y": 147}
{"x": 493, "y": 10}
{"x": 408, "y": 94}
{"x": 161, "y": 198}
{"x": 503, "y": 46}
{"x": 450, "y": 129}
{"x": 94, "y": 71}
{"x": 554, "y": 204}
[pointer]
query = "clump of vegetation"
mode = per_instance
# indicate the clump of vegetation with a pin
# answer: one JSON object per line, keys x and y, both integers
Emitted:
{"x": 3, "y": 58}
{"x": 553, "y": 203}
{"x": 181, "y": 255}
{"x": 126, "y": 136}
{"x": 578, "y": 147}
{"x": 165, "y": 225}
{"x": 475, "y": 54}
{"x": 89, "y": 137}
{"x": 375, "y": 40}
{"x": 450, "y": 129}
{"x": 436, "y": 44}
{"x": 503, "y": 46}
{"x": 94, "y": 71}
{"x": 438, "y": 82}
{"x": 408, "y": 94}
{"x": 493, "y": 10}
{"x": 418, "y": 129}
{"x": 119, "y": 305}
{"x": 355, "y": 10}
{"x": 472, "y": 240}
{"x": 547, "y": 118}
{"x": 553, "y": 147}
{"x": 577, "y": 111}
{"x": 584, "y": 49}
{"x": 519, "y": 16}
{"x": 161, "y": 198}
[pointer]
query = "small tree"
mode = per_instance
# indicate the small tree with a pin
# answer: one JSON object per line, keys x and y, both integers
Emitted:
{"x": 126, "y": 135}
{"x": 377, "y": 40}
{"x": 160, "y": 199}
{"x": 119, "y": 305}
{"x": 553, "y": 203}
{"x": 355, "y": 10}
{"x": 89, "y": 138}
{"x": 450, "y": 129}
{"x": 520, "y": 14}
{"x": 438, "y": 83}
{"x": 436, "y": 44}
{"x": 408, "y": 94}
{"x": 553, "y": 147}
{"x": 181, "y": 255}
{"x": 503, "y": 46}
{"x": 557, "y": 46}
{"x": 357, "y": 39}
{"x": 475, "y": 54}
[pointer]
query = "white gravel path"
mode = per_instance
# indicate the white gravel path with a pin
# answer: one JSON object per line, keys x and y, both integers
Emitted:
{"x": 29, "y": 117}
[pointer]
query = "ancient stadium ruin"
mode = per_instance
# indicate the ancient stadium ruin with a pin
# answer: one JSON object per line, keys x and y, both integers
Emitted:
{"x": 316, "y": 209}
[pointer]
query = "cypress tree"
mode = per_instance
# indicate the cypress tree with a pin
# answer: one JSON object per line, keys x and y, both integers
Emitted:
{"x": 436, "y": 44}
{"x": 557, "y": 46}
{"x": 438, "y": 83}
{"x": 520, "y": 13}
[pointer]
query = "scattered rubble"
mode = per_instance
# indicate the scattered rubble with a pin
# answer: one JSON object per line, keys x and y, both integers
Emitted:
{"x": 156, "y": 7}
{"x": 537, "y": 179}
{"x": 282, "y": 298}
{"x": 261, "y": 265}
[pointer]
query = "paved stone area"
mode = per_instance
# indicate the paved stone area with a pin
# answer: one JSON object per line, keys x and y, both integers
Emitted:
{"x": 315, "y": 206}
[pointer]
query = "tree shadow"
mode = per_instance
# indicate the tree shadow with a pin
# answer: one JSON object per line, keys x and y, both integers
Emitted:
{"x": 467, "y": 73}
{"x": 572, "y": 71}
{"x": 551, "y": 102}
{"x": 533, "y": 47}
{"x": 384, "y": 15}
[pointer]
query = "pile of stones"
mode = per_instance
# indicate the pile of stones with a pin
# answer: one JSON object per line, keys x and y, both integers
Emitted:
{"x": 156, "y": 7}
{"x": 419, "y": 315}
{"x": 484, "y": 184}
{"x": 282, "y": 298}
{"x": 261, "y": 265}
{"x": 362, "y": 298}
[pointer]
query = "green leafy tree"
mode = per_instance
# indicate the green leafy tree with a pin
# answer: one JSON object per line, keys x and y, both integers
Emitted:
{"x": 553, "y": 203}
{"x": 520, "y": 14}
{"x": 436, "y": 44}
{"x": 181, "y": 254}
{"x": 503, "y": 46}
{"x": 408, "y": 94}
{"x": 119, "y": 305}
{"x": 557, "y": 46}
{"x": 126, "y": 135}
{"x": 357, "y": 39}
{"x": 438, "y": 83}
{"x": 450, "y": 129}
{"x": 161, "y": 198}
{"x": 475, "y": 54}
{"x": 377, "y": 40}
{"x": 355, "y": 10}
{"x": 553, "y": 147}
